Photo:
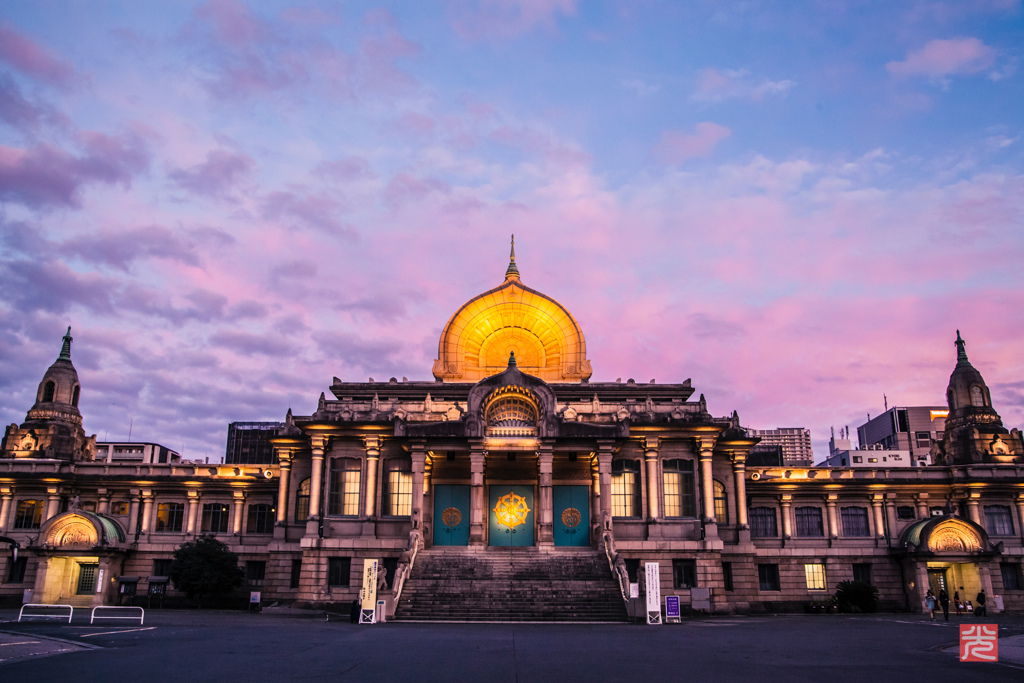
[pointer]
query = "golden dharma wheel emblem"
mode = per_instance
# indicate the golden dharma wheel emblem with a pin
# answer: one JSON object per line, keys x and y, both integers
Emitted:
{"x": 451, "y": 517}
{"x": 511, "y": 510}
{"x": 571, "y": 517}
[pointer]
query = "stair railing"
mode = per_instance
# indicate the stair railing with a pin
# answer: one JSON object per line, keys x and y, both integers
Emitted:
{"x": 406, "y": 562}
{"x": 615, "y": 561}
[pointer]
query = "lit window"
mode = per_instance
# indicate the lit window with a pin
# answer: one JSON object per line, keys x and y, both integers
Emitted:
{"x": 302, "y": 501}
{"x": 680, "y": 496}
{"x": 119, "y": 508}
{"x": 169, "y": 517}
{"x": 626, "y": 488}
{"x": 855, "y": 521}
{"x": 398, "y": 493}
{"x": 343, "y": 497}
{"x": 721, "y": 504}
{"x": 815, "y": 576}
{"x": 29, "y": 514}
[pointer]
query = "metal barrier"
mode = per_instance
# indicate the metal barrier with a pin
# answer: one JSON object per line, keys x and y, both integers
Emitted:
{"x": 69, "y": 608}
{"x": 141, "y": 616}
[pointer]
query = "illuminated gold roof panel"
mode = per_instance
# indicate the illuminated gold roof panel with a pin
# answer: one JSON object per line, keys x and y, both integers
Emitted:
{"x": 545, "y": 338}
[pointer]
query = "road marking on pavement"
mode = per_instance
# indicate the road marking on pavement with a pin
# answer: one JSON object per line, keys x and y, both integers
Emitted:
{"x": 129, "y": 630}
{"x": 24, "y": 642}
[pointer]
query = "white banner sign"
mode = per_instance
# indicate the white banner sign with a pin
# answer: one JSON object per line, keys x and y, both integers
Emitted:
{"x": 368, "y": 595}
{"x": 653, "y": 578}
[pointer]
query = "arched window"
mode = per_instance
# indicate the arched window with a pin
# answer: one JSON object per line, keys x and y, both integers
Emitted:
{"x": 680, "y": 492}
{"x": 721, "y": 503}
{"x": 74, "y": 396}
{"x": 625, "y": 488}
{"x": 302, "y": 501}
{"x": 48, "y": 392}
{"x": 977, "y": 396}
{"x": 343, "y": 495}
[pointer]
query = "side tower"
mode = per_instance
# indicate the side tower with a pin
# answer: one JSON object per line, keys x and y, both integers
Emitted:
{"x": 53, "y": 425}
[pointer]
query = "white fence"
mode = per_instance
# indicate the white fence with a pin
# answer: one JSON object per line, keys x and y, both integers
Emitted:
{"x": 69, "y": 608}
{"x": 141, "y": 616}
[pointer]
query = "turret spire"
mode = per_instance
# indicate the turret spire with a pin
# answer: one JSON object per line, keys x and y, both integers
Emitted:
{"x": 512, "y": 272}
{"x": 961, "y": 349}
{"x": 65, "y": 350}
{"x": 511, "y": 359}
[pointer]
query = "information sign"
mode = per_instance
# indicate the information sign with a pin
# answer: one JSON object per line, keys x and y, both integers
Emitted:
{"x": 672, "y": 607}
{"x": 368, "y": 595}
{"x": 653, "y": 577}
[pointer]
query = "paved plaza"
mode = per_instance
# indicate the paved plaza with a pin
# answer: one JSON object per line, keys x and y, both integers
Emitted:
{"x": 286, "y": 645}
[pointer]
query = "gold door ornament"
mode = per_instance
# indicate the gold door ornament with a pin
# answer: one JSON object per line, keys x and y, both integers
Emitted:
{"x": 451, "y": 517}
{"x": 571, "y": 517}
{"x": 511, "y": 510}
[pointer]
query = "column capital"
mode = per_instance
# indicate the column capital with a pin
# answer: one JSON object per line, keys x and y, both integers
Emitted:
{"x": 373, "y": 444}
{"x": 6, "y": 491}
{"x": 193, "y": 494}
{"x": 786, "y": 498}
{"x": 238, "y": 495}
{"x": 877, "y": 498}
{"x": 832, "y": 499}
{"x": 739, "y": 459}
{"x": 284, "y": 456}
{"x": 147, "y": 493}
{"x": 705, "y": 445}
{"x": 650, "y": 445}
{"x": 52, "y": 491}
{"x": 921, "y": 497}
{"x": 318, "y": 442}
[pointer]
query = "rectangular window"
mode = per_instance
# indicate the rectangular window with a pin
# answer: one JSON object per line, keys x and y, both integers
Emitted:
{"x": 809, "y": 522}
{"x": 855, "y": 521}
{"x": 727, "y": 576}
{"x": 684, "y": 573}
{"x": 296, "y": 574}
{"x": 998, "y": 520}
{"x": 906, "y": 512}
{"x": 768, "y": 577}
{"x": 339, "y": 570}
{"x": 815, "y": 577}
{"x": 398, "y": 502}
{"x": 862, "y": 573}
{"x": 924, "y": 439}
{"x": 1011, "y": 576}
{"x": 626, "y": 488}
{"x": 215, "y": 518}
{"x": 680, "y": 492}
{"x": 343, "y": 496}
{"x": 16, "y": 571}
{"x": 857, "y": 459}
{"x": 255, "y": 571}
{"x": 763, "y": 523}
{"x": 162, "y": 567}
{"x": 261, "y": 519}
{"x": 119, "y": 508}
{"x": 29, "y": 514}
{"x": 169, "y": 517}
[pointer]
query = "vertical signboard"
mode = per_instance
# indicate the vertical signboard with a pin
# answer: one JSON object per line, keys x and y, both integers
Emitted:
{"x": 672, "y": 608}
{"x": 653, "y": 592}
{"x": 368, "y": 594}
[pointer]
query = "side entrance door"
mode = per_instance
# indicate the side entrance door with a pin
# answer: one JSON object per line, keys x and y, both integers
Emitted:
{"x": 510, "y": 516}
{"x": 571, "y": 515}
{"x": 451, "y": 514}
{"x": 87, "y": 578}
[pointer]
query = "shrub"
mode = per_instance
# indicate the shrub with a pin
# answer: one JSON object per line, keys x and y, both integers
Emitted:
{"x": 854, "y": 596}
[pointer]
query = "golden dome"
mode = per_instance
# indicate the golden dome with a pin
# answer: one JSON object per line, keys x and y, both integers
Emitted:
{"x": 545, "y": 338}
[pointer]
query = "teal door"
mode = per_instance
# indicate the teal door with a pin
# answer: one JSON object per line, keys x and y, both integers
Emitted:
{"x": 451, "y": 514}
{"x": 511, "y": 516}
{"x": 571, "y": 515}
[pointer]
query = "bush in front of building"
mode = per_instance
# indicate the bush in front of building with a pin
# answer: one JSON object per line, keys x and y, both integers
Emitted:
{"x": 205, "y": 567}
{"x": 854, "y": 596}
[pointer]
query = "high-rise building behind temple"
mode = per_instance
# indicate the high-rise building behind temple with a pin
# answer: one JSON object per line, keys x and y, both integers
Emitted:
{"x": 249, "y": 443}
{"x": 794, "y": 441}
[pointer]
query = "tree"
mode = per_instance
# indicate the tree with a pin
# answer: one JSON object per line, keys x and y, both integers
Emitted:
{"x": 205, "y": 566}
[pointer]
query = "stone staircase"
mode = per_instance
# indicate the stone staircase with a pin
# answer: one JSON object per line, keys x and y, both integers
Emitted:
{"x": 509, "y": 585}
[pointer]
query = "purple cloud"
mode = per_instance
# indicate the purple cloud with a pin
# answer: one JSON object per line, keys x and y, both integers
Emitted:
{"x": 216, "y": 176}
{"x": 319, "y": 211}
{"x": 33, "y": 60}
{"x": 22, "y": 113}
{"x": 121, "y": 249}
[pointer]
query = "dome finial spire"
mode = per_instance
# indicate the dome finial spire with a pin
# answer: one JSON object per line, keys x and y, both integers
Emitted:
{"x": 512, "y": 272}
{"x": 65, "y": 349}
{"x": 512, "y": 359}
{"x": 961, "y": 349}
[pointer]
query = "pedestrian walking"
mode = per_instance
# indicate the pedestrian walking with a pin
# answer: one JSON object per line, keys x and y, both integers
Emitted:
{"x": 979, "y": 608}
{"x": 929, "y": 602}
{"x": 956, "y": 601}
{"x": 944, "y": 602}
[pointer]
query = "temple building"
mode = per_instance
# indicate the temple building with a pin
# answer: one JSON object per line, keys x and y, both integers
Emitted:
{"x": 513, "y": 486}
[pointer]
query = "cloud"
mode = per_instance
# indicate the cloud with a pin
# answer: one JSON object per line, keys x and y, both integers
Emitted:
{"x": 216, "y": 176}
{"x": 347, "y": 169}
{"x": 33, "y": 60}
{"x": 121, "y": 249}
{"x": 675, "y": 147}
{"x": 249, "y": 344}
{"x": 405, "y": 188}
{"x": 714, "y": 85}
{"x": 320, "y": 211}
{"x": 23, "y": 114}
{"x": 642, "y": 88}
{"x": 486, "y": 19}
{"x": 46, "y": 176}
{"x": 940, "y": 58}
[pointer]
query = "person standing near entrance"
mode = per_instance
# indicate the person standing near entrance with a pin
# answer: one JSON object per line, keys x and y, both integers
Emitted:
{"x": 929, "y": 602}
{"x": 944, "y": 602}
{"x": 956, "y": 601}
{"x": 980, "y": 610}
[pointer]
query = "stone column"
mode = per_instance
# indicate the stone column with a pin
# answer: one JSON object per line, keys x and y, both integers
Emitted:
{"x": 595, "y": 495}
{"x": 238, "y": 512}
{"x": 973, "y": 509}
{"x": 706, "y": 447}
{"x": 739, "y": 475}
{"x": 876, "y": 505}
{"x": 193, "y": 513}
{"x": 650, "y": 447}
{"x": 103, "y": 507}
{"x": 316, "y": 481}
{"x": 786, "y": 501}
{"x": 921, "y": 501}
{"x": 284, "y": 461}
{"x": 418, "y": 451}
{"x": 545, "y": 458}
{"x": 6, "y": 494}
{"x": 605, "y": 449}
{"x": 477, "y": 458}
{"x": 133, "y": 511}
{"x": 147, "y": 511}
{"x": 52, "y": 503}
{"x": 373, "y": 445}
{"x": 890, "y": 513}
{"x": 831, "y": 500}
{"x": 1019, "y": 501}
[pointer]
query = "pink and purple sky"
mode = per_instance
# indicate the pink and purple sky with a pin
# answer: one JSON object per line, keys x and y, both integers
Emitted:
{"x": 794, "y": 204}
